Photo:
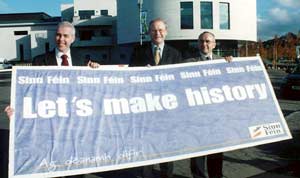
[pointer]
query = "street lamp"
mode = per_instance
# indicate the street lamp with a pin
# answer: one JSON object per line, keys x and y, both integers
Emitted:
{"x": 140, "y": 6}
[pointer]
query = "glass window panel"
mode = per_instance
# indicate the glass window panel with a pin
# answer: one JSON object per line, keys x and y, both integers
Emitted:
{"x": 206, "y": 15}
{"x": 86, "y": 14}
{"x": 21, "y": 32}
{"x": 104, "y": 12}
{"x": 186, "y": 15}
{"x": 224, "y": 16}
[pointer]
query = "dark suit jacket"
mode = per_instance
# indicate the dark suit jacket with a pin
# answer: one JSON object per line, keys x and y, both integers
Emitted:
{"x": 199, "y": 58}
{"x": 142, "y": 56}
{"x": 49, "y": 59}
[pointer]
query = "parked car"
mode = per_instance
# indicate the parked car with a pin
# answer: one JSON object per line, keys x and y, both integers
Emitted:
{"x": 268, "y": 64}
{"x": 290, "y": 87}
{"x": 5, "y": 66}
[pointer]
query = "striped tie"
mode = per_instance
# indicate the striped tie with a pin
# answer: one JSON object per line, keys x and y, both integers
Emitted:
{"x": 64, "y": 61}
{"x": 156, "y": 55}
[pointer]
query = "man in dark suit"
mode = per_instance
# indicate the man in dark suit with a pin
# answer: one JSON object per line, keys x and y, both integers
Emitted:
{"x": 145, "y": 55}
{"x": 60, "y": 56}
{"x": 156, "y": 53}
{"x": 50, "y": 59}
{"x": 206, "y": 44}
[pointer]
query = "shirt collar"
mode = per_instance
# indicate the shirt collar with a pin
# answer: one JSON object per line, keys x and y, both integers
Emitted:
{"x": 205, "y": 56}
{"x": 58, "y": 55}
{"x": 161, "y": 46}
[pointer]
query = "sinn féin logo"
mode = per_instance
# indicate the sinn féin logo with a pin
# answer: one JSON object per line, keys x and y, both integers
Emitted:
{"x": 266, "y": 130}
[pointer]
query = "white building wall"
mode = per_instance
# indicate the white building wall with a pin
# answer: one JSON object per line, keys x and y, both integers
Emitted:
{"x": 10, "y": 43}
{"x": 242, "y": 19}
{"x": 33, "y": 43}
{"x": 67, "y": 12}
{"x": 40, "y": 35}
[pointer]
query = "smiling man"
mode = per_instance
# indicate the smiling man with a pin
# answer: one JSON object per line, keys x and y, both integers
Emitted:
{"x": 214, "y": 162}
{"x": 62, "y": 55}
{"x": 156, "y": 53}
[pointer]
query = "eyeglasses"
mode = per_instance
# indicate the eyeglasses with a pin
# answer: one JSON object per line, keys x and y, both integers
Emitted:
{"x": 159, "y": 30}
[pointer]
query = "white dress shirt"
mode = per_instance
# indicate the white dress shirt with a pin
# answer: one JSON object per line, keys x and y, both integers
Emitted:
{"x": 58, "y": 55}
{"x": 161, "y": 48}
{"x": 206, "y": 56}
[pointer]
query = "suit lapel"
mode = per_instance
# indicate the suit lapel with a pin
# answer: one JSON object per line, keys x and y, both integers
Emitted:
{"x": 165, "y": 55}
{"x": 149, "y": 55}
{"x": 76, "y": 60}
{"x": 51, "y": 59}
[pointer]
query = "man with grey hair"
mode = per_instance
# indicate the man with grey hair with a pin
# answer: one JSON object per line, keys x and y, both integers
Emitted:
{"x": 206, "y": 44}
{"x": 65, "y": 36}
{"x": 157, "y": 52}
{"x": 60, "y": 56}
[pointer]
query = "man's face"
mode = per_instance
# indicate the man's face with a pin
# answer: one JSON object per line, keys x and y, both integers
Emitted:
{"x": 158, "y": 32}
{"x": 206, "y": 43}
{"x": 64, "y": 38}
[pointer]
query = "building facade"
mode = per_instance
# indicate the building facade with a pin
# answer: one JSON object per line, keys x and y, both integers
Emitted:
{"x": 107, "y": 30}
{"x": 227, "y": 19}
{"x": 233, "y": 22}
{"x": 25, "y": 35}
{"x": 95, "y": 23}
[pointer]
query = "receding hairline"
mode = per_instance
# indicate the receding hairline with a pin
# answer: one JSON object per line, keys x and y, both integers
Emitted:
{"x": 158, "y": 20}
{"x": 207, "y": 32}
{"x": 67, "y": 24}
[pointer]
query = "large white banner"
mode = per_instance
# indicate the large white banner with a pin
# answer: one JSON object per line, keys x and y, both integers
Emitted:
{"x": 78, "y": 120}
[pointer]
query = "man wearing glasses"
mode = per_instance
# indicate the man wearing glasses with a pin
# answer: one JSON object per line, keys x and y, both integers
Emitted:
{"x": 214, "y": 162}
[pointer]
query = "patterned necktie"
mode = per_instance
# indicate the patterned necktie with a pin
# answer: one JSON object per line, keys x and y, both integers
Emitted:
{"x": 64, "y": 61}
{"x": 156, "y": 55}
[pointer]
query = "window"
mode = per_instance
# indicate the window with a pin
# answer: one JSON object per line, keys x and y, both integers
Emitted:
{"x": 186, "y": 15}
{"x": 86, "y": 14}
{"x": 86, "y": 35}
{"x": 104, "y": 12}
{"x": 206, "y": 15}
{"x": 224, "y": 16}
{"x": 21, "y": 32}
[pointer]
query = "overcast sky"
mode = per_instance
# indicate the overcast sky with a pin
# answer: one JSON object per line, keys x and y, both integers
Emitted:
{"x": 277, "y": 17}
{"x": 273, "y": 16}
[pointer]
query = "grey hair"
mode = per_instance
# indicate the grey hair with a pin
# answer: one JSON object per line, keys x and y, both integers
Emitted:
{"x": 67, "y": 24}
{"x": 158, "y": 20}
{"x": 206, "y": 32}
